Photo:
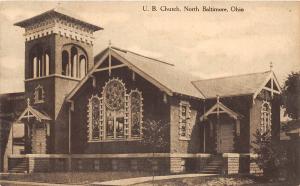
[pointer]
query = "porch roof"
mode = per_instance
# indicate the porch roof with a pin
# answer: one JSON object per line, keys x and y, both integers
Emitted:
{"x": 30, "y": 112}
{"x": 220, "y": 108}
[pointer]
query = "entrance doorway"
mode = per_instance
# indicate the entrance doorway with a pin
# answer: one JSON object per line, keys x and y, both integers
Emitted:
{"x": 225, "y": 135}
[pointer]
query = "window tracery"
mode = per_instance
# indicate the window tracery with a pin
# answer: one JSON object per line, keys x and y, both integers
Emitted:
{"x": 94, "y": 118}
{"x": 265, "y": 122}
{"x": 136, "y": 113}
{"x": 39, "y": 94}
{"x": 184, "y": 120}
{"x": 116, "y": 115}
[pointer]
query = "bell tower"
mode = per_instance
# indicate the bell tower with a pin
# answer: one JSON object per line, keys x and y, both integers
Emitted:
{"x": 58, "y": 54}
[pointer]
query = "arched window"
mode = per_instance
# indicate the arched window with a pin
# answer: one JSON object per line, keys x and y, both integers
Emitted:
{"x": 40, "y": 64}
{"x": 83, "y": 70}
{"x": 114, "y": 98}
{"x": 34, "y": 65}
{"x": 65, "y": 63}
{"x": 265, "y": 123}
{"x": 39, "y": 94}
{"x": 136, "y": 113}
{"x": 120, "y": 114}
{"x": 47, "y": 64}
{"x": 94, "y": 117}
{"x": 74, "y": 59}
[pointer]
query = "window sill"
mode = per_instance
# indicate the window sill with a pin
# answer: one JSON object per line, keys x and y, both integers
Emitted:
{"x": 39, "y": 101}
{"x": 184, "y": 139}
{"x": 114, "y": 140}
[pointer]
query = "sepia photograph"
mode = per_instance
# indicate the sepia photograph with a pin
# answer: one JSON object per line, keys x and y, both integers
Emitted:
{"x": 148, "y": 93}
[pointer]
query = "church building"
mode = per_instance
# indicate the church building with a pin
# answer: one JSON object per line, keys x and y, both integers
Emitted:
{"x": 85, "y": 112}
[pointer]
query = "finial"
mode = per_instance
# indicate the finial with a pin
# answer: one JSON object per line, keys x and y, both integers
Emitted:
{"x": 271, "y": 66}
{"x": 218, "y": 98}
{"x": 57, "y": 5}
{"x": 28, "y": 102}
{"x": 109, "y": 43}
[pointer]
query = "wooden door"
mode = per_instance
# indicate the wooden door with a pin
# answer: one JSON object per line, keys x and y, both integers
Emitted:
{"x": 39, "y": 137}
{"x": 225, "y": 137}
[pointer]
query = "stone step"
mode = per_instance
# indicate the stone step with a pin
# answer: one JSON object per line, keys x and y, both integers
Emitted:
{"x": 213, "y": 167}
{"x": 210, "y": 172}
{"x": 210, "y": 167}
{"x": 213, "y": 163}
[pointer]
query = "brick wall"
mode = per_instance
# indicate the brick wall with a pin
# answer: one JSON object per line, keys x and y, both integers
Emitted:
{"x": 153, "y": 106}
{"x": 255, "y": 114}
{"x": 191, "y": 145}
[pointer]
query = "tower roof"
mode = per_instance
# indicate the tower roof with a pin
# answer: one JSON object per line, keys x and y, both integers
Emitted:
{"x": 57, "y": 13}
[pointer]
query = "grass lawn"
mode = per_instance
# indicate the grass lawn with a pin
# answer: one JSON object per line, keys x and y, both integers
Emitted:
{"x": 73, "y": 177}
{"x": 216, "y": 180}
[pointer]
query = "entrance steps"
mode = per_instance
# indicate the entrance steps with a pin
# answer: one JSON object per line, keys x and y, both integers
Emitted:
{"x": 19, "y": 167}
{"x": 214, "y": 166}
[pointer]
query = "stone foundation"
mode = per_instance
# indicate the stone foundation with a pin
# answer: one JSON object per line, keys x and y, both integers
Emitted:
{"x": 231, "y": 163}
{"x": 253, "y": 167}
{"x": 161, "y": 162}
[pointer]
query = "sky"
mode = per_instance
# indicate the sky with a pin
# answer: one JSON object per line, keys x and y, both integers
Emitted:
{"x": 207, "y": 44}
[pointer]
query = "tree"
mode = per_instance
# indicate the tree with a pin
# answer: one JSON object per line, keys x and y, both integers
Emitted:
{"x": 291, "y": 95}
{"x": 271, "y": 155}
{"x": 155, "y": 136}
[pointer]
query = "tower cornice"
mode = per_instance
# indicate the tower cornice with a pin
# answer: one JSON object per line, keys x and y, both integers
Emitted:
{"x": 60, "y": 14}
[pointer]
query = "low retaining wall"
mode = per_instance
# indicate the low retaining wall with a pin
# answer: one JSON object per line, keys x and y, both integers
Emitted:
{"x": 160, "y": 162}
{"x": 235, "y": 163}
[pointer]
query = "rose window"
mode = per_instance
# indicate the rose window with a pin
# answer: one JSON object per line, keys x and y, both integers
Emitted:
{"x": 114, "y": 95}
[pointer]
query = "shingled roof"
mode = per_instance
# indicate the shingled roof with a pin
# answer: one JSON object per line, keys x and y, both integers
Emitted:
{"x": 167, "y": 74}
{"x": 246, "y": 84}
{"x": 171, "y": 79}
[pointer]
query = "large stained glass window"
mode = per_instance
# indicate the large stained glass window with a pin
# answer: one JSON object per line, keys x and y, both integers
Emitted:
{"x": 265, "y": 122}
{"x": 136, "y": 113}
{"x": 116, "y": 115}
{"x": 94, "y": 118}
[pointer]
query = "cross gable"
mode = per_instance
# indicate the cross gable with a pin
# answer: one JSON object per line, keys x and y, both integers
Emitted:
{"x": 111, "y": 60}
{"x": 270, "y": 84}
{"x": 220, "y": 108}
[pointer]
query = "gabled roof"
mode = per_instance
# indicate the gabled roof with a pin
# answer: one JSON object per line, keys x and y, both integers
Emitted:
{"x": 167, "y": 77}
{"x": 164, "y": 75}
{"x": 58, "y": 12}
{"x": 220, "y": 108}
{"x": 167, "y": 74}
{"x": 247, "y": 84}
{"x": 31, "y": 112}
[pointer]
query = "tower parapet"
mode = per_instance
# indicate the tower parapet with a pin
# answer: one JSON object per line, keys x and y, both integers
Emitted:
{"x": 58, "y": 21}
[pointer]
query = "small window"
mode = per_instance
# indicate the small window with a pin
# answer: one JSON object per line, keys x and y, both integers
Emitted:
{"x": 39, "y": 94}
{"x": 184, "y": 120}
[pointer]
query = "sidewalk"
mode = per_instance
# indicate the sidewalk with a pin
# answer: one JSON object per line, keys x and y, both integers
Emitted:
{"x": 131, "y": 181}
{"x": 19, "y": 183}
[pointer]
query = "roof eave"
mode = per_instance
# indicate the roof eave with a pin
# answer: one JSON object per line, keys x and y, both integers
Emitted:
{"x": 29, "y": 21}
{"x": 228, "y": 96}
